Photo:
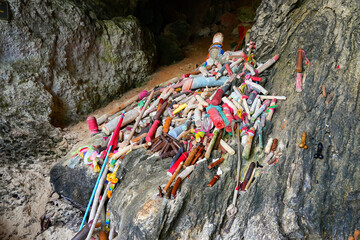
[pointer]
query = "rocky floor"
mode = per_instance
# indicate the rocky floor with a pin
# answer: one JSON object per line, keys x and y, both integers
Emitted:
{"x": 27, "y": 196}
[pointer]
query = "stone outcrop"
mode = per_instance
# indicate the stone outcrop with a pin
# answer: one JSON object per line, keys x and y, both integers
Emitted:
{"x": 75, "y": 183}
{"x": 305, "y": 197}
{"x": 58, "y": 63}
{"x": 298, "y": 198}
{"x": 196, "y": 213}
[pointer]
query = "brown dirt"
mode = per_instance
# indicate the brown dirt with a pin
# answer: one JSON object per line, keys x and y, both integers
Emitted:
{"x": 195, "y": 54}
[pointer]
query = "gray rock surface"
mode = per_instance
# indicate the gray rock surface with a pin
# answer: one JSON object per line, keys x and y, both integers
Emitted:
{"x": 58, "y": 63}
{"x": 306, "y": 197}
{"x": 300, "y": 197}
{"x": 76, "y": 183}
{"x": 26, "y": 195}
{"x": 196, "y": 213}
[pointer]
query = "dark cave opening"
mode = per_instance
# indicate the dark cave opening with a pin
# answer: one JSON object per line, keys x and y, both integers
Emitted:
{"x": 176, "y": 24}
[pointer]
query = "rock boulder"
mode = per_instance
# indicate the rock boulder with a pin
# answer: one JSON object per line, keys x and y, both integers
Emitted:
{"x": 300, "y": 197}
{"x": 59, "y": 62}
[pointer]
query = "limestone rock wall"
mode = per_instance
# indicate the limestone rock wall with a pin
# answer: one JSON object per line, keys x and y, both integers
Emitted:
{"x": 306, "y": 197}
{"x": 58, "y": 62}
{"x": 300, "y": 197}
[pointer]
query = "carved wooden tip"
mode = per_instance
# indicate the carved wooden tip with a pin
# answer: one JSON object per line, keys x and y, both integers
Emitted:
{"x": 299, "y": 60}
{"x": 323, "y": 91}
{"x": 160, "y": 192}
{"x": 357, "y": 234}
{"x": 214, "y": 180}
{"x": 214, "y": 164}
{"x": 303, "y": 139}
{"x": 274, "y": 145}
{"x": 176, "y": 185}
{"x": 329, "y": 98}
{"x": 168, "y": 192}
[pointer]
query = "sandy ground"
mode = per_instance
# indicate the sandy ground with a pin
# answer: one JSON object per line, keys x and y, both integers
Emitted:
{"x": 29, "y": 196}
{"x": 195, "y": 54}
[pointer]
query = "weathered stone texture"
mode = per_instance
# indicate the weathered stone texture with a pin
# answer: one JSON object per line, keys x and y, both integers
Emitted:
{"x": 59, "y": 62}
{"x": 298, "y": 198}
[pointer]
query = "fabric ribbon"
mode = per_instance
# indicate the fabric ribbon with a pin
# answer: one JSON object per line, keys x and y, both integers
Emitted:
{"x": 243, "y": 116}
{"x": 216, "y": 45}
{"x": 83, "y": 149}
{"x": 243, "y": 88}
{"x": 222, "y": 114}
{"x": 244, "y": 128}
{"x": 270, "y": 107}
{"x": 231, "y": 110}
{"x": 249, "y": 131}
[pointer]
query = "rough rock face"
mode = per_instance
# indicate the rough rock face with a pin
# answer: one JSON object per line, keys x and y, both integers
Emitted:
{"x": 311, "y": 198}
{"x": 26, "y": 195}
{"x": 75, "y": 183}
{"x": 300, "y": 197}
{"x": 196, "y": 213}
{"x": 59, "y": 62}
